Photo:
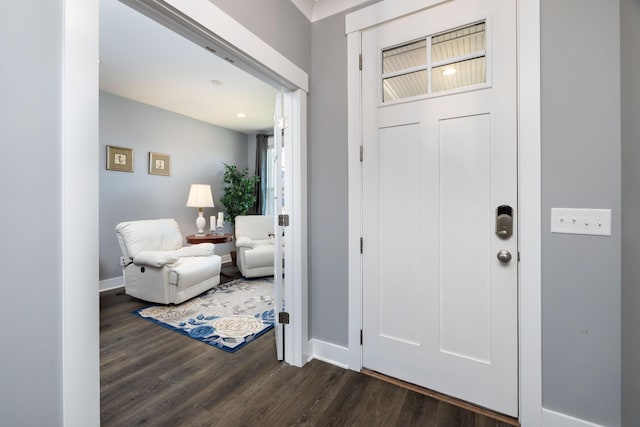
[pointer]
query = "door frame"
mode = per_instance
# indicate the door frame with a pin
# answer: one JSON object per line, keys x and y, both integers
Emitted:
{"x": 529, "y": 189}
{"x": 79, "y": 196}
{"x": 207, "y": 25}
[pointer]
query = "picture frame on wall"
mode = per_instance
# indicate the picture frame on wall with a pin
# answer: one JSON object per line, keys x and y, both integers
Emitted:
{"x": 159, "y": 164}
{"x": 119, "y": 159}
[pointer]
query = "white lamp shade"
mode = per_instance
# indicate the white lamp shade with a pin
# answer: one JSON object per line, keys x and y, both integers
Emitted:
{"x": 200, "y": 196}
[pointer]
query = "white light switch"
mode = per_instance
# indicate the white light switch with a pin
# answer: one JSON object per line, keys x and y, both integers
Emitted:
{"x": 581, "y": 221}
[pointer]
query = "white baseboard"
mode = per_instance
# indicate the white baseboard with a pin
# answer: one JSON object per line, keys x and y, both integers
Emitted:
{"x": 556, "y": 419}
{"x": 330, "y": 353}
{"x": 226, "y": 258}
{"x": 108, "y": 284}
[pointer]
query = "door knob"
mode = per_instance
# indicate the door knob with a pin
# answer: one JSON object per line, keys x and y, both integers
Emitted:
{"x": 504, "y": 256}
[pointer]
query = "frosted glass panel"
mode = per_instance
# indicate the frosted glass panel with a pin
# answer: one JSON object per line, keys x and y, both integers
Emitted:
{"x": 451, "y": 60}
{"x": 404, "y": 86}
{"x": 459, "y": 74}
{"x": 403, "y": 57}
{"x": 465, "y": 41}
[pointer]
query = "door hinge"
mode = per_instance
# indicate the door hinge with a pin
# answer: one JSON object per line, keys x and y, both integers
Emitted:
{"x": 361, "y": 244}
{"x": 283, "y": 317}
{"x": 283, "y": 220}
{"x": 518, "y": 256}
{"x": 361, "y": 337}
{"x": 360, "y": 62}
{"x": 361, "y": 152}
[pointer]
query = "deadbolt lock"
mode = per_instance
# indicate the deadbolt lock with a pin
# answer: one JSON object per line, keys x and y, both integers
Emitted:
{"x": 504, "y": 221}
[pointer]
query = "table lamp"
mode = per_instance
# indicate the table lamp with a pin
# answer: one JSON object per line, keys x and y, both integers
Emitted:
{"x": 200, "y": 197}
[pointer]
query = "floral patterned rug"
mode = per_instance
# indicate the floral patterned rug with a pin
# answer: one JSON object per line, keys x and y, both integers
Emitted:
{"x": 228, "y": 317}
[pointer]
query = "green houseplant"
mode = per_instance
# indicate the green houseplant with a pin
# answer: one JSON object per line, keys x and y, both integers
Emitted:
{"x": 238, "y": 191}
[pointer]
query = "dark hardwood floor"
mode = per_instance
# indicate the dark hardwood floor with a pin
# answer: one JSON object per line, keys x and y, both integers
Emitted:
{"x": 152, "y": 376}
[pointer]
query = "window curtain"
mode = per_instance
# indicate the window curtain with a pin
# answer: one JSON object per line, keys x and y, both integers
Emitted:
{"x": 260, "y": 190}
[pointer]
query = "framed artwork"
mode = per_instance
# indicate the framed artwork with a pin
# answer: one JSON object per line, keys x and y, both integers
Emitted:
{"x": 159, "y": 164}
{"x": 119, "y": 159}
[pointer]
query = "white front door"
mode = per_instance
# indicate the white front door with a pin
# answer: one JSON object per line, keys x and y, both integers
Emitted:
{"x": 439, "y": 159}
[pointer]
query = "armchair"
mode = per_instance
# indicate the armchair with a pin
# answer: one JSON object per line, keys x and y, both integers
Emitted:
{"x": 158, "y": 268}
{"x": 255, "y": 245}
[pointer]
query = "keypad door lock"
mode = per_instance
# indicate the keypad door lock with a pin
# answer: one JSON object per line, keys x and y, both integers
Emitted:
{"x": 504, "y": 221}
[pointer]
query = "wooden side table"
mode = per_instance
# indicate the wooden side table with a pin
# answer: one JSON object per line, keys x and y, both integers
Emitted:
{"x": 210, "y": 238}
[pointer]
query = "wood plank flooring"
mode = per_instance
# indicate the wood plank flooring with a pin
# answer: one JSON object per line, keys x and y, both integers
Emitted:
{"x": 151, "y": 376}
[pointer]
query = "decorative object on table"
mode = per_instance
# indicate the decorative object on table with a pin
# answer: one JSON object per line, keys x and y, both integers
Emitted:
{"x": 238, "y": 191}
{"x": 200, "y": 197}
{"x": 227, "y": 317}
{"x": 157, "y": 267}
{"x": 159, "y": 164}
{"x": 219, "y": 223}
{"x": 119, "y": 159}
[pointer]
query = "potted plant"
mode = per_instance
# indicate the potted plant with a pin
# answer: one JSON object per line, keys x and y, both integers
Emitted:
{"x": 238, "y": 194}
{"x": 238, "y": 191}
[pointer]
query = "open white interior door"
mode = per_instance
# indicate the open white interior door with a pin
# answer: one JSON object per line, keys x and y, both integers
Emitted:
{"x": 287, "y": 223}
{"x": 279, "y": 209}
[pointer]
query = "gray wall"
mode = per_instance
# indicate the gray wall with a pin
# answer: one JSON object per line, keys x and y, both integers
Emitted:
{"x": 630, "y": 71}
{"x": 30, "y": 173}
{"x": 279, "y": 23}
{"x": 581, "y": 168}
{"x": 198, "y": 151}
{"x": 327, "y": 184}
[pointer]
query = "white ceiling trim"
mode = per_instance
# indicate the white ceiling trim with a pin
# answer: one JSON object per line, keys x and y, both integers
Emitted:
{"x": 315, "y": 10}
{"x": 306, "y": 7}
{"x": 326, "y": 8}
{"x": 385, "y": 11}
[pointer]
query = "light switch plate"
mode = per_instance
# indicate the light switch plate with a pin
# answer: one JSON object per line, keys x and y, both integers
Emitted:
{"x": 581, "y": 221}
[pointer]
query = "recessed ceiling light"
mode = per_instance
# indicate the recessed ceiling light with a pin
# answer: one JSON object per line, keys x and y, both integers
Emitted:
{"x": 449, "y": 71}
{"x": 216, "y": 82}
{"x": 241, "y": 115}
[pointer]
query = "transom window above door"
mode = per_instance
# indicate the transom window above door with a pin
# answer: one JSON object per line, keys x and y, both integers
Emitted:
{"x": 435, "y": 64}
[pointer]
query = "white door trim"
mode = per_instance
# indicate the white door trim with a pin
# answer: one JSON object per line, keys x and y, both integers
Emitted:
{"x": 80, "y": 374}
{"x": 530, "y": 202}
{"x": 528, "y": 52}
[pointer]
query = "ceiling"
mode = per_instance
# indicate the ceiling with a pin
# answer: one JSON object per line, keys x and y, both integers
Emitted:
{"x": 146, "y": 62}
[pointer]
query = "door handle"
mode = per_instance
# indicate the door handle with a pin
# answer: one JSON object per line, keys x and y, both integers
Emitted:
{"x": 504, "y": 256}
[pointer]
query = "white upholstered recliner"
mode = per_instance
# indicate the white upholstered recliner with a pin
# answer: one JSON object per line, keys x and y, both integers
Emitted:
{"x": 158, "y": 268}
{"x": 255, "y": 245}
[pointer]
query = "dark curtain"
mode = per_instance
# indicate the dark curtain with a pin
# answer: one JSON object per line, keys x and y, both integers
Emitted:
{"x": 261, "y": 169}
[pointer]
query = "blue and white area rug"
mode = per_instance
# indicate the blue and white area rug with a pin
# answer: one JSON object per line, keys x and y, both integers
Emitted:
{"x": 228, "y": 317}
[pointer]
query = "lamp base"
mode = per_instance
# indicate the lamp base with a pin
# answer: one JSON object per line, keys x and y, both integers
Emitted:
{"x": 200, "y": 223}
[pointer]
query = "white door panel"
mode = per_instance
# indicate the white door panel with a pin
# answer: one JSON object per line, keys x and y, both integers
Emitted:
{"x": 465, "y": 268}
{"x": 399, "y": 211}
{"x": 439, "y": 308}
